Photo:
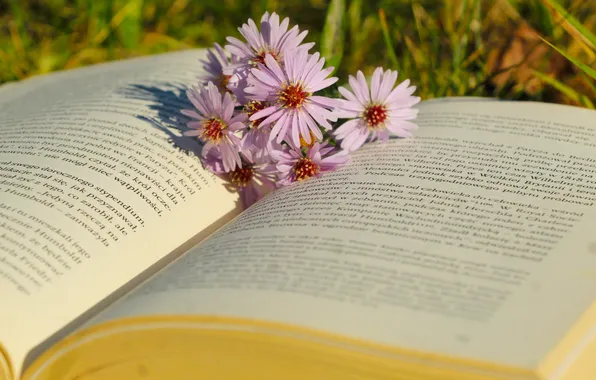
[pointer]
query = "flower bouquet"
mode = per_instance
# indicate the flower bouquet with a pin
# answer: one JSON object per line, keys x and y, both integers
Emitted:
{"x": 265, "y": 113}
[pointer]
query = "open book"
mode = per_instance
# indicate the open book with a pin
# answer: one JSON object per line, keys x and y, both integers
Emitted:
{"x": 467, "y": 252}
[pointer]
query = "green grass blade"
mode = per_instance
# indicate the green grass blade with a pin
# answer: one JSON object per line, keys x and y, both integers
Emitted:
{"x": 355, "y": 19}
{"x": 545, "y": 21}
{"x": 333, "y": 36}
{"x": 130, "y": 23}
{"x": 566, "y": 90}
{"x": 99, "y": 15}
{"x": 581, "y": 29}
{"x": 589, "y": 83}
{"x": 20, "y": 17}
{"x": 582, "y": 66}
{"x": 388, "y": 42}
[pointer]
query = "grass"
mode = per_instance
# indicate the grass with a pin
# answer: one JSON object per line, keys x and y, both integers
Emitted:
{"x": 513, "y": 49}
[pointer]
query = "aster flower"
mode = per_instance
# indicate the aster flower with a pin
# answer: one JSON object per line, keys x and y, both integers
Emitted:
{"x": 297, "y": 165}
{"x": 257, "y": 135}
{"x": 215, "y": 124}
{"x": 274, "y": 39}
{"x": 294, "y": 110}
{"x": 213, "y": 67}
{"x": 253, "y": 179}
{"x": 376, "y": 112}
{"x": 237, "y": 82}
{"x": 211, "y": 160}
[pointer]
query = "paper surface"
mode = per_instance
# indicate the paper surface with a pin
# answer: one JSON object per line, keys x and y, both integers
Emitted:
{"x": 94, "y": 188}
{"x": 474, "y": 239}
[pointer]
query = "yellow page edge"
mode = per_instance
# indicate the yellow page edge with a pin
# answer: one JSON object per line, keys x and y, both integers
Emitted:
{"x": 6, "y": 372}
{"x": 575, "y": 353}
{"x": 236, "y": 331}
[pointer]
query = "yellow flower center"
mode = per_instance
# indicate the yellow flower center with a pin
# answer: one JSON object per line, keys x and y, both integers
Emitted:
{"x": 260, "y": 58}
{"x": 213, "y": 130}
{"x": 224, "y": 80}
{"x": 304, "y": 144}
{"x": 241, "y": 177}
{"x": 375, "y": 115}
{"x": 305, "y": 169}
{"x": 293, "y": 96}
{"x": 253, "y": 107}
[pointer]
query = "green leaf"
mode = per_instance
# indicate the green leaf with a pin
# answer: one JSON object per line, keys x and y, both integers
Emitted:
{"x": 585, "y": 32}
{"x": 585, "y": 68}
{"x": 333, "y": 36}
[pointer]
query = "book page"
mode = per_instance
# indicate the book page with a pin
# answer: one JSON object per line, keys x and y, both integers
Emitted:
{"x": 7, "y": 93}
{"x": 473, "y": 239}
{"x": 96, "y": 185}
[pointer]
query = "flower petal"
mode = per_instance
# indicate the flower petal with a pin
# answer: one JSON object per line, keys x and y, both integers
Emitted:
{"x": 360, "y": 92}
{"x": 266, "y": 78}
{"x": 273, "y": 117}
{"x": 303, "y": 127}
{"x": 295, "y": 128}
{"x": 347, "y": 127}
{"x": 398, "y": 92}
{"x": 312, "y": 125}
{"x": 319, "y": 85}
{"x": 227, "y": 107}
{"x": 275, "y": 68}
{"x": 236, "y": 126}
{"x": 402, "y": 128}
{"x": 315, "y": 70}
{"x": 375, "y": 84}
{"x": 243, "y": 50}
{"x": 191, "y": 113}
{"x": 312, "y": 61}
{"x": 360, "y": 140}
{"x": 324, "y": 101}
{"x": 281, "y": 118}
{"x": 350, "y": 96}
{"x": 193, "y": 132}
{"x": 363, "y": 85}
{"x": 387, "y": 85}
{"x": 263, "y": 113}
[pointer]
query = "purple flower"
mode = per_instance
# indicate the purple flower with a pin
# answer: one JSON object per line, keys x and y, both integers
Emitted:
{"x": 217, "y": 126}
{"x": 274, "y": 39}
{"x": 294, "y": 109}
{"x": 213, "y": 66}
{"x": 377, "y": 112}
{"x": 253, "y": 179}
{"x": 211, "y": 160}
{"x": 237, "y": 82}
{"x": 294, "y": 165}
{"x": 257, "y": 135}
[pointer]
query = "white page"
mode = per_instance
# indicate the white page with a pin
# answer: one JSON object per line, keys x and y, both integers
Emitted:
{"x": 93, "y": 188}
{"x": 434, "y": 243}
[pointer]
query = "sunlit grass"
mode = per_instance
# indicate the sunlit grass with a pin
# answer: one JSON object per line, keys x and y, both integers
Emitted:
{"x": 446, "y": 47}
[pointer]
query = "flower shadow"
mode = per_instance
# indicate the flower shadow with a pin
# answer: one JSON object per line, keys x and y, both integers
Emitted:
{"x": 164, "y": 102}
{"x": 162, "y": 111}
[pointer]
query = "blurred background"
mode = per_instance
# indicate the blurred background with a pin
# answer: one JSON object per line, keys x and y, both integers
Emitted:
{"x": 541, "y": 50}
